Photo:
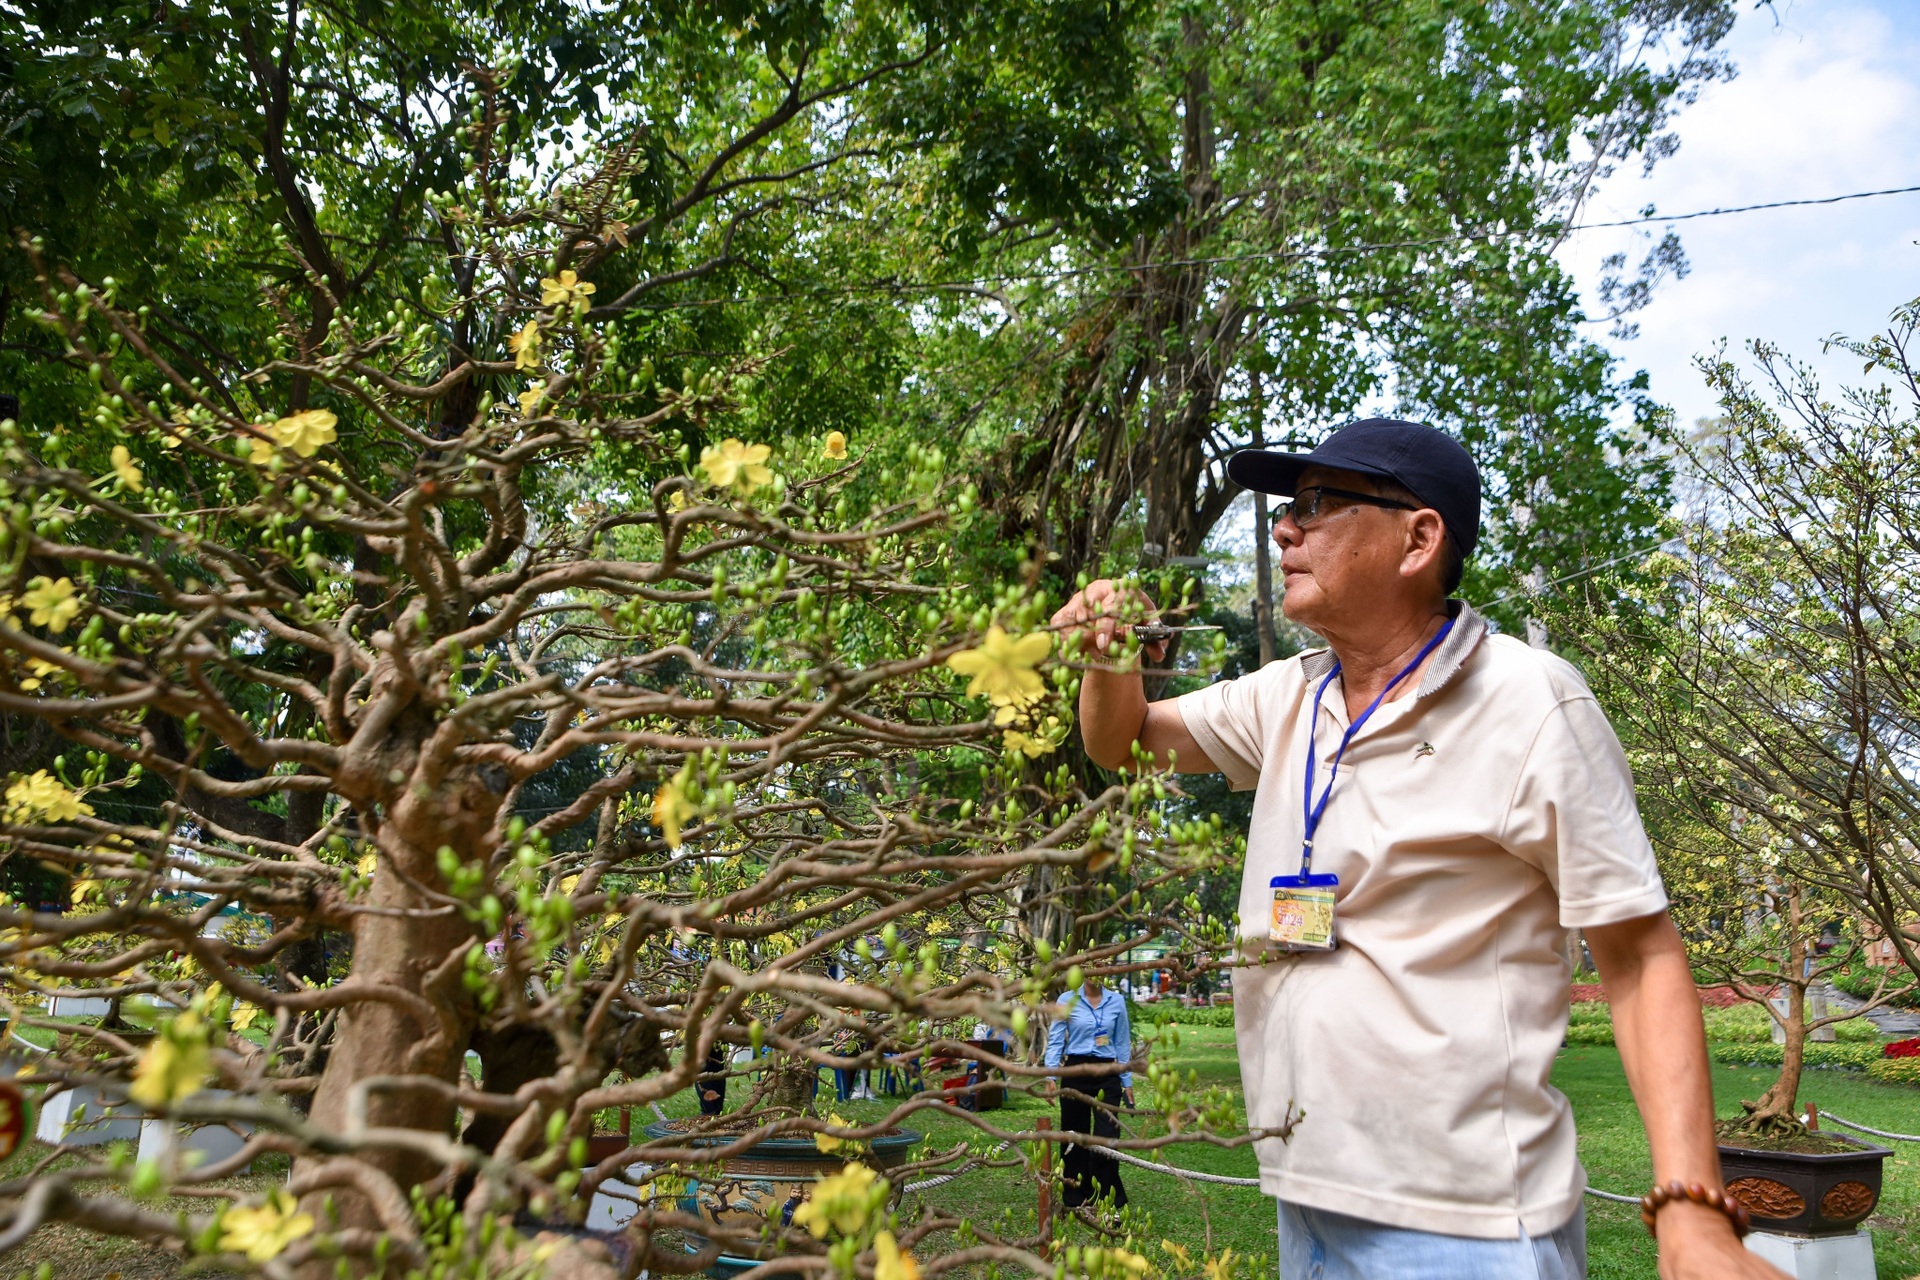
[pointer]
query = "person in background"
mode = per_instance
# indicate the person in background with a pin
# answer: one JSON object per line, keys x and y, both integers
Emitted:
{"x": 711, "y": 1084}
{"x": 1090, "y": 1027}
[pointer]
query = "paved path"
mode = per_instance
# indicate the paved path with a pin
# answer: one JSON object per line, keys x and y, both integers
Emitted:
{"x": 1891, "y": 1019}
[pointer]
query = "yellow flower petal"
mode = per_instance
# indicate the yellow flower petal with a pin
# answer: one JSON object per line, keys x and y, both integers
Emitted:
{"x": 304, "y": 432}
{"x": 127, "y": 469}
{"x": 263, "y": 1233}
{"x": 175, "y": 1066}
{"x": 41, "y": 796}
{"x": 52, "y": 602}
{"x": 890, "y": 1261}
{"x": 526, "y": 346}
{"x": 1002, "y": 667}
{"x": 842, "y": 1202}
{"x": 835, "y": 445}
{"x": 734, "y": 464}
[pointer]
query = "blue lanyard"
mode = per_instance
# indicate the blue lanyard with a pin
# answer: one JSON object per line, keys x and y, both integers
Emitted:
{"x": 1314, "y": 812}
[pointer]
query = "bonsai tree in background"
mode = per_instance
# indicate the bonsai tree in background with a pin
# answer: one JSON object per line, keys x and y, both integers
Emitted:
{"x": 1763, "y": 671}
{"x": 1771, "y": 939}
{"x": 589, "y": 728}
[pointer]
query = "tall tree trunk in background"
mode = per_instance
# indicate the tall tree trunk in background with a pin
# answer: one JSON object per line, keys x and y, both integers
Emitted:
{"x": 1262, "y": 539}
{"x": 1135, "y": 413}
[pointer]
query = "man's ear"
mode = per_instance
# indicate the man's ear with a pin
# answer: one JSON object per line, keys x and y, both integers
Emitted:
{"x": 1426, "y": 541}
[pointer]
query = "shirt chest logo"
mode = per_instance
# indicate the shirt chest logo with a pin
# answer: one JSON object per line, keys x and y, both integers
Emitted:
{"x": 1423, "y": 750}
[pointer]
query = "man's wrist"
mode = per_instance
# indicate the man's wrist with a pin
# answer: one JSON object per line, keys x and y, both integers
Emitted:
{"x": 1684, "y": 1224}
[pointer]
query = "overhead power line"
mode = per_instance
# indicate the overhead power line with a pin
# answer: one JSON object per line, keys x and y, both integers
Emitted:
{"x": 1744, "y": 208}
{"x": 1041, "y": 274}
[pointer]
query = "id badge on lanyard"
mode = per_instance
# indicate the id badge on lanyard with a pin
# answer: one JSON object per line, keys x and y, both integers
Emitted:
{"x": 1303, "y": 910}
{"x": 1304, "y": 905}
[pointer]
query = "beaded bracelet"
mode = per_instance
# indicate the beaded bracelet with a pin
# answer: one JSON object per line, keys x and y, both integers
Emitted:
{"x": 1713, "y": 1197}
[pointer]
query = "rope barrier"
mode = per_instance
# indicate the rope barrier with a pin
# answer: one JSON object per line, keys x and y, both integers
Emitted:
{"x": 928, "y": 1184}
{"x": 1192, "y": 1174}
{"x": 1878, "y": 1133}
{"x": 1196, "y": 1176}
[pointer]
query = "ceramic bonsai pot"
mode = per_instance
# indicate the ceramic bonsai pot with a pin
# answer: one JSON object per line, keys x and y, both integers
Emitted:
{"x": 766, "y": 1183}
{"x": 1795, "y": 1193}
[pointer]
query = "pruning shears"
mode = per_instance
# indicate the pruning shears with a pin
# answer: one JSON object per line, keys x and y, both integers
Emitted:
{"x": 1155, "y": 632}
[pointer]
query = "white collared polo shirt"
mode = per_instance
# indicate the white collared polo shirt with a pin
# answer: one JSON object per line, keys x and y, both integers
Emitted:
{"x": 1472, "y": 823}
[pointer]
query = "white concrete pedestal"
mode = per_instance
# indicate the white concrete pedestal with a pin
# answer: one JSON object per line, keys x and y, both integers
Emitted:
{"x": 1848, "y": 1257}
{"x": 164, "y": 1140}
{"x": 82, "y": 1116}
{"x": 609, "y": 1213}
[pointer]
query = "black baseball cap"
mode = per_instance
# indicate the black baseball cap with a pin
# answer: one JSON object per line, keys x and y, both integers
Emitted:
{"x": 1432, "y": 465}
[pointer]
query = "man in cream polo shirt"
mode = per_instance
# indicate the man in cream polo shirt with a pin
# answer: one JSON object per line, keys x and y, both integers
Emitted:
{"x": 1462, "y": 801}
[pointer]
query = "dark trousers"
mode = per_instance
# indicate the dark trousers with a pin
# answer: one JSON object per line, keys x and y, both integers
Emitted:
{"x": 711, "y": 1085}
{"x": 1091, "y": 1174}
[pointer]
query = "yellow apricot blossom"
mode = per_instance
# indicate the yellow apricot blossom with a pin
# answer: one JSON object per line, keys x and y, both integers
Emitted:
{"x": 1003, "y": 667}
{"x": 672, "y": 807}
{"x": 53, "y": 602}
{"x": 1220, "y": 1268}
{"x": 526, "y": 346}
{"x": 734, "y": 464}
{"x": 1026, "y": 744}
{"x": 41, "y": 669}
{"x": 564, "y": 291}
{"x": 127, "y": 469}
{"x": 264, "y": 1232}
{"x": 842, "y": 1202}
{"x": 890, "y": 1261}
{"x": 304, "y": 432}
{"x": 835, "y": 446}
{"x": 826, "y": 1141}
{"x": 40, "y": 795}
{"x": 243, "y": 1015}
{"x": 529, "y": 400}
{"x": 175, "y": 1066}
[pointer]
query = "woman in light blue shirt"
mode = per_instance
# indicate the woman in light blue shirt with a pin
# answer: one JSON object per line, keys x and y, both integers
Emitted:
{"x": 1090, "y": 1028}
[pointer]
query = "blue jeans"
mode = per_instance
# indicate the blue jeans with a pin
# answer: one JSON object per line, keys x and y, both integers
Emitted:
{"x": 1318, "y": 1245}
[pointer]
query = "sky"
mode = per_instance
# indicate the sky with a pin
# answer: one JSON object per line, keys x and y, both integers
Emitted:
{"x": 1827, "y": 101}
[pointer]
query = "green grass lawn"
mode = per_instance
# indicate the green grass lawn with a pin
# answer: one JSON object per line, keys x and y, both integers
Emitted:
{"x": 1612, "y": 1146}
{"x": 1210, "y": 1218}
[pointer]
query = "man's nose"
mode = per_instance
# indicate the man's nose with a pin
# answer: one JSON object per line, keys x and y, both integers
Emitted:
{"x": 1286, "y": 532}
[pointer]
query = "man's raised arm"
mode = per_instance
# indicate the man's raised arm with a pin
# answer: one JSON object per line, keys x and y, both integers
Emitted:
{"x": 1114, "y": 711}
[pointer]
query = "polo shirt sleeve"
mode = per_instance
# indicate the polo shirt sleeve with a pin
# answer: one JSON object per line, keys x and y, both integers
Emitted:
{"x": 1224, "y": 718}
{"x": 1574, "y": 817}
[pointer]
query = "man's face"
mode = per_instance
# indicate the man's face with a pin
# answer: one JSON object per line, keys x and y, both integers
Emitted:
{"x": 1337, "y": 570}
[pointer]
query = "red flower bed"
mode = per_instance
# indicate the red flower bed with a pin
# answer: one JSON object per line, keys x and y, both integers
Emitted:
{"x": 1902, "y": 1049}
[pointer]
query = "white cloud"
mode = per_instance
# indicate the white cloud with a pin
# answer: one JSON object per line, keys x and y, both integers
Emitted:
{"x": 1824, "y": 104}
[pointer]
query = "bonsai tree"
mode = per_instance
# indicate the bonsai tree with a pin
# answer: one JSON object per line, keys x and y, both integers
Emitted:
{"x": 1770, "y": 940}
{"x": 525, "y": 702}
{"x": 1761, "y": 671}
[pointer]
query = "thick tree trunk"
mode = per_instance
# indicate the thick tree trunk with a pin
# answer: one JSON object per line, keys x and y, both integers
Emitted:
{"x": 1775, "y": 1111}
{"x": 421, "y": 955}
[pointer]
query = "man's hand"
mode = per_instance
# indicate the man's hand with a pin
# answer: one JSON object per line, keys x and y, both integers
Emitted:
{"x": 1114, "y": 713}
{"x": 1127, "y": 1093}
{"x": 1097, "y": 617}
{"x": 1697, "y": 1243}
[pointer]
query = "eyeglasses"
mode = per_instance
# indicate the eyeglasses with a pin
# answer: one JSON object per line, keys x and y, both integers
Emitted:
{"x": 1308, "y": 503}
